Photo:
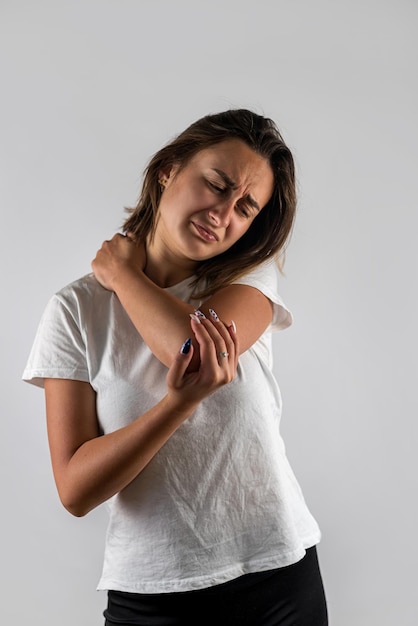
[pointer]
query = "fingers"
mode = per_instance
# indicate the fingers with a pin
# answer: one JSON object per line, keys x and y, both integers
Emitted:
{"x": 129, "y": 236}
{"x": 218, "y": 343}
{"x": 179, "y": 366}
{"x": 123, "y": 249}
{"x": 232, "y": 329}
{"x": 119, "y": 240}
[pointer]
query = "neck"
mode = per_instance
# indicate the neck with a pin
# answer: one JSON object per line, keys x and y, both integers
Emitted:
{"x": 164, "y": 268}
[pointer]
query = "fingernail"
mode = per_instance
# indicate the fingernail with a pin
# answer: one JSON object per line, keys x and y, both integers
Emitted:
{"x": 185, "y": 348}
{"x": 234, "y": 328}
{"x": 195, "y": 318}
{"x": 200, "y": 314}
{"x": 215, "y": 317}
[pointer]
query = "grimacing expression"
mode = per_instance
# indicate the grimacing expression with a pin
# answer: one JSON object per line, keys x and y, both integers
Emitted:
{"x": 208, "y": 204}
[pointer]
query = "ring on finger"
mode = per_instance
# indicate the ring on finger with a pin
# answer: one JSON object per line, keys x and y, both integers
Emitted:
{"x": 223, "y": 354}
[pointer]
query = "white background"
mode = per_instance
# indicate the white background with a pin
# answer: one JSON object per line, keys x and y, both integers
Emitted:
{"x": 89, "y": 90}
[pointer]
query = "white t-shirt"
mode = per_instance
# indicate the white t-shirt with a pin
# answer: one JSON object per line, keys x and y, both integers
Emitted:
{"x": 219, "y": 499}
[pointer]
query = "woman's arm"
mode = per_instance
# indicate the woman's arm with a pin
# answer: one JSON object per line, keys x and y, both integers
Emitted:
{"x": 161, "y": 318}
{"x": 89, "y": 468}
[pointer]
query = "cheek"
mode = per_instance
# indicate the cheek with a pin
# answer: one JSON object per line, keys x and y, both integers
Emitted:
{"x": 238, "y": 230}
{"x": 184, "y": 200}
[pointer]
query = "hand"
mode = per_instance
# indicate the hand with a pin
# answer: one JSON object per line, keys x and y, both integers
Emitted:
{"x": 117, "y": 255}
{"x": 219, "y": 352}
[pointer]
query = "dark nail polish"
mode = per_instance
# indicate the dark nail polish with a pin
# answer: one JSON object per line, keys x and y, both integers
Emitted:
{"x": 185, "y": 348}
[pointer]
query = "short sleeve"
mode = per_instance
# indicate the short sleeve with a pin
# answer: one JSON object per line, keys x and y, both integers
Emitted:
{"x": 58, "y": 350}
{"x": 265, "y": 278}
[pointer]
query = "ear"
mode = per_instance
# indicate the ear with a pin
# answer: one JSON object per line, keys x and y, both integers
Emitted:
{"x": 167, "y": 173}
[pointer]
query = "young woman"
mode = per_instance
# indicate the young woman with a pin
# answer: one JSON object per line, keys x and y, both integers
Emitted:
{"x": 208, "y": 524}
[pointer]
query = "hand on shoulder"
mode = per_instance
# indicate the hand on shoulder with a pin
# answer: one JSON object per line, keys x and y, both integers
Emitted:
{"x": 116, "y": 256}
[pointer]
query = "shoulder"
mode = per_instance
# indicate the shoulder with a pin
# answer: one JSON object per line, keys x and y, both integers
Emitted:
{"x": 82, "y": 295}
{"x": 77, "y": 302}
{"x": 83, "y": 288}
{"x": 266, "y": 278}
{"x": 265, "y": 275}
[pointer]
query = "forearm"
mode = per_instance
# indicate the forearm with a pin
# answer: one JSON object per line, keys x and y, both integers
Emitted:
{"x": 89, "y": 468}
{"x": 161, "y": 319}
{"x": 103, "y": 466}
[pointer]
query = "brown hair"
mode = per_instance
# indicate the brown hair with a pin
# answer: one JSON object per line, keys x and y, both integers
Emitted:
{"x": 270, "y": 229}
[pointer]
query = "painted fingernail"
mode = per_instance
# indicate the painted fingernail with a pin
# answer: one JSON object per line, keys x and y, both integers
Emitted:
{"x": 195, "y": 318}
{"x": 200, "y": 314}
{"x": 185, "y": 348}
{"x": 214, "y": 315}
{"x": 234, "y": 328}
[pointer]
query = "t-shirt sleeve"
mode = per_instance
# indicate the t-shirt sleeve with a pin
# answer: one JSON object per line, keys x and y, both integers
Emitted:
{"x": 58, "y": 350}
{"x": 265, "y": 278}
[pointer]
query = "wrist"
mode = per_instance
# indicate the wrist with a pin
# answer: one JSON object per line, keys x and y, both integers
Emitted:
{"x": 178, "y": 406}
{"x": 124, "y": 277}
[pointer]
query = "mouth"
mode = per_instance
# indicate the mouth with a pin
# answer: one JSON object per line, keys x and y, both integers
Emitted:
{"x": 205, "y": 233}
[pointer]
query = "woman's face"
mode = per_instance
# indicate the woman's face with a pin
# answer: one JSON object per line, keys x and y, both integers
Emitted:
{"x": 207, "y": 205}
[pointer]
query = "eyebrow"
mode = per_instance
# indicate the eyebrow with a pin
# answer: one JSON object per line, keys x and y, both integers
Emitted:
{"x": 228, "y": 181}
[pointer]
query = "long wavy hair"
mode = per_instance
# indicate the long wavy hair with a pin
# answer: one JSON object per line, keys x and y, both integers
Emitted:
{"x": 270, "y": 230}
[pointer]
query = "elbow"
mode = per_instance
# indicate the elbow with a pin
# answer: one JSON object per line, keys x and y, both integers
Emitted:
{"x": 75, "y": 508}
{"x": 75, "y": 505}
{"x": 76, "y": 511}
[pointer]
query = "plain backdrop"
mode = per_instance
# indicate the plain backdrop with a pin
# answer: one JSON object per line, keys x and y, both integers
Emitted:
{"x": 89, "y": 91}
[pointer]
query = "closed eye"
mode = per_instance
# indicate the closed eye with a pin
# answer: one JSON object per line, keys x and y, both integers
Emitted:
{"x": 244, "y": 210}
{"x": 216, "y": 188}
{"x": 245, "y": 207}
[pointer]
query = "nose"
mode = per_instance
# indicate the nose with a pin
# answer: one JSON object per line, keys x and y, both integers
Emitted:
{"x": 222, "y": 213}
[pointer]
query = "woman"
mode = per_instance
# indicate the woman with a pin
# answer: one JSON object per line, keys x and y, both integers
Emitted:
{"x": 207, "y": 522}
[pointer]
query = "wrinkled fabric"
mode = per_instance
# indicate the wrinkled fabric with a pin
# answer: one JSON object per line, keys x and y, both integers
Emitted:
{"x": 281, "y": 597}
{"x": 219, "y": 499}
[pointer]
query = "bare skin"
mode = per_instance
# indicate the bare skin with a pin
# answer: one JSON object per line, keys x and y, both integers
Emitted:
{"x": 89, "y": 468}
{"x": 205, "y": 208}
{"x": 151, "y": 308}
{"x": 194, "y": 197}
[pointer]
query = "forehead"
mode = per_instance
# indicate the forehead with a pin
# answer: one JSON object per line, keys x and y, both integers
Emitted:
{"x": 241, "y": 163}
{"x": 234, "y": 152}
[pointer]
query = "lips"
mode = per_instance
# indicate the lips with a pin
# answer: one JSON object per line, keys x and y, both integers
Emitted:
{"x": 205, "y": 233}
